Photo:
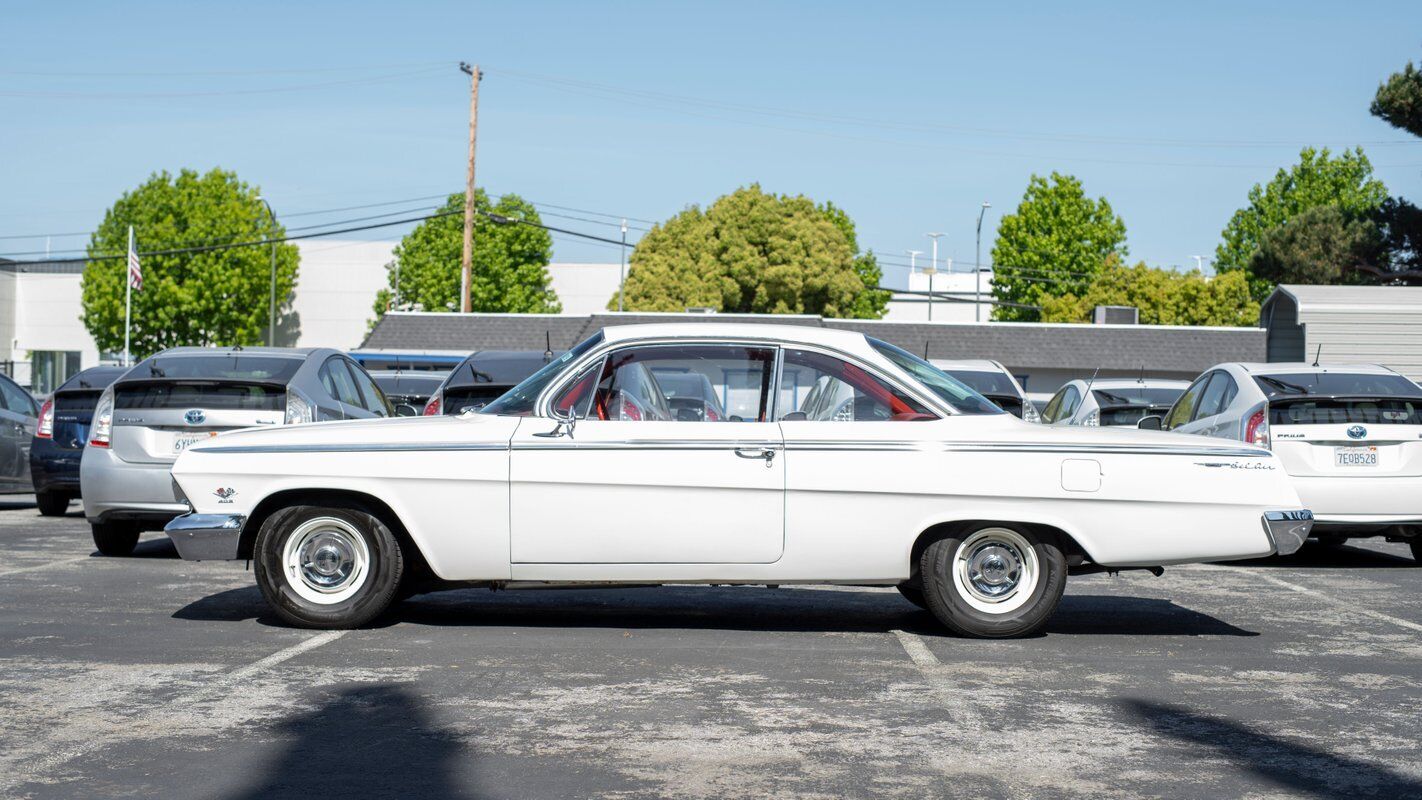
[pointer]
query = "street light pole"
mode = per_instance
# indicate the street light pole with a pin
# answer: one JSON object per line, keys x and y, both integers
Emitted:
{"x": 271, "y": 309}
{"x": 622, "y": 266}
{"x": 932, "y": 271}
{"x": 978, "y": 265}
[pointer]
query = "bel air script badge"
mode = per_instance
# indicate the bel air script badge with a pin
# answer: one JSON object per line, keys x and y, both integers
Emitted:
{"x": 224, "y": 494}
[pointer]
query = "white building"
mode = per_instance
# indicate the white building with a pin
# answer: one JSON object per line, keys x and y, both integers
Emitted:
{"x": 955, "y": 296}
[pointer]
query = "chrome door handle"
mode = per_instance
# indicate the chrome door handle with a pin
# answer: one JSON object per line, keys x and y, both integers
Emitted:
{"x": 764, "y": 453}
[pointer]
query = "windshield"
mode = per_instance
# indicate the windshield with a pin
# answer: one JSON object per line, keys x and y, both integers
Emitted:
{"x": 521, "y": 399}
{"x": 952, "y": 391}
{"x": 1338, "y": 384}
{"x": 1136, "y": 396}
{"x": 985, "y": 382}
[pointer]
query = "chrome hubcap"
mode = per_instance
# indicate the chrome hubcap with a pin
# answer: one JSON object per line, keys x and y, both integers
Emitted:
{"x": 326, "y": 560}
{"x": 995, "y": 570}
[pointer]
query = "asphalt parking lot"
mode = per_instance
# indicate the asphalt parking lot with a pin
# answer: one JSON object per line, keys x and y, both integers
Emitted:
{"x": 150, "y": 676}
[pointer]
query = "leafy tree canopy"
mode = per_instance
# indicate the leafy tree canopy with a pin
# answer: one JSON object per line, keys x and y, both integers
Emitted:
{"x": 1163, "y": 296}
{"x": 1319, "y": 179}
{"x": 1399, "y": 100}
{"x": 216, "y": 297}
{"x": 1320, "y": 246}
{"x": 1054, "y": 244}
{"x": 753, "y": 252}
{"x": 510, "y": 261}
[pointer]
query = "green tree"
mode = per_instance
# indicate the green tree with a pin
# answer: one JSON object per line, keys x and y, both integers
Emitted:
{"x": 1319, "y": 179}
{"x": 873, "y": 301}
{"x": 1320, "y": 246}
{"x": 1399, "y": 100}
{"x": 1163, "y": 297}
{"x": 212, "y": 297}
{"x": 1054, "y": 244}
{"x": 752, "y": 252}
{"x": 510, "y": 261}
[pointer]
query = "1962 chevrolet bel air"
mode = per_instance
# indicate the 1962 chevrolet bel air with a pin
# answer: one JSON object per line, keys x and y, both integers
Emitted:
{"x": 817, "y": 456}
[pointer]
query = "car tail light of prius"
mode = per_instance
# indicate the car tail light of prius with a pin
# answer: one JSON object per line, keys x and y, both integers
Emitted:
{"x": 103, "y": 420}
{"x": 1093, "y": 419}
{"x": 45, "y": 430}
{"x": 1256, "y": 431}
{"x": 1029, "y": 412}
{"x": 299, "y": 408}
{"x": 432, "y": 408}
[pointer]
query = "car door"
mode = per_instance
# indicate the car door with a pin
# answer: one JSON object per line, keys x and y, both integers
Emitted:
{"x": 636, "y": 483}
{"x": 17, "y": 425}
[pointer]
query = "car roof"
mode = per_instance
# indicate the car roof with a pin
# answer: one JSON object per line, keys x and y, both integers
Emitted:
{"x": 288, "y": 352}
{"x": 1126, "y": 383}
{"x": 982, "y": 364}
{"x": 803, "y": 334}
{"x": 1280, "y": 367}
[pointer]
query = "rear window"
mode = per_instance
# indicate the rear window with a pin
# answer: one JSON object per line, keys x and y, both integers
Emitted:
{"x": 408, "y": 384}
{"x": 1336, "y": 384}
{"x": 228, "y": 366}
{"x": 1325, "y": 411}
{"x": 1142, "y": 397}
{"x": 984, "y": 382}
{"x": 470, "y": 398}
{"x": 76, "y": 400}
{"x": 192, "y": 394}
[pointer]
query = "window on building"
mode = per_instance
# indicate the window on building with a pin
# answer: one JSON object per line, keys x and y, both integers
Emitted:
{"x": 49, "y": 368}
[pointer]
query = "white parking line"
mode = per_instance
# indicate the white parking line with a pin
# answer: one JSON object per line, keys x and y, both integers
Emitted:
{"x": 282, "y": 655}
{"x": 917, "y": 650}
{"x": 45, "y": 565}
{"x": 1367, "y": 612}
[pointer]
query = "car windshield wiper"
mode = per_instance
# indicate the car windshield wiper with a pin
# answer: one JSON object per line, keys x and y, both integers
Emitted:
{"x": 1291, "y": 388}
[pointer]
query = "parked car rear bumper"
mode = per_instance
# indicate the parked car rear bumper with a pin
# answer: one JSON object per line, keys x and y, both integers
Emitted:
{"x": 116, "y": 489}
{"x": 207, "y": 537}
{"x": 1377, "y": 500}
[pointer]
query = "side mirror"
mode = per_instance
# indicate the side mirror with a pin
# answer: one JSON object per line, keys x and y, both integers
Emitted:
{"x": 1151, "y": 422}
{"x": 566, "y": 421}
{"x": 406, "y": 410}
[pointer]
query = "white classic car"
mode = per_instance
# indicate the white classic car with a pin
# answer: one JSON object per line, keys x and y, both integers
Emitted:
{"x": 864, "y": 465}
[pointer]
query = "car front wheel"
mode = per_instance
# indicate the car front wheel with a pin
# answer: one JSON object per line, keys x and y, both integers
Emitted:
{"x": 116, "y": 537}
{"x": 993, "y": 581}
{"x": 327, "y": 567}
{"x": 52, "y": 504}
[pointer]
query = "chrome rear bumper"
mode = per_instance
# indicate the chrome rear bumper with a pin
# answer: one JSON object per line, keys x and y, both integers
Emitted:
{"x": 207, "y": 537}
{"x": 1287, "y": 530}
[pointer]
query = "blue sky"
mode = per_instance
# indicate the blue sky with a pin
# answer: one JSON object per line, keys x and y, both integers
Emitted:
{"x": 907, "y": 115}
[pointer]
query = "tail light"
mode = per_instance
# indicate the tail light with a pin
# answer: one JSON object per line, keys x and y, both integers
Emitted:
{"x": 1092, "y": 419}
{"x": 432, "y": 408}
{"x": 103, "y": 427}
{"x": 1256, "y": 431}
{"x": 1029, "y": 412}
{"x": 299, "y": 409}
{"x": 46, "y": 421}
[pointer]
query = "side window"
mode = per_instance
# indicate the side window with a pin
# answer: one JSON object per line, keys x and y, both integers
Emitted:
{"x": 835, "y": 390}
{"x": 337, "y": 380}
{"x": 1071, "y": 398}
{"x": 679, "y": 383}
{"x": 375, "y": 401}
{"x": 578, "y": 396}
{"x": 1213, "y": 398}
{"x": 15, "y": 399}
{"x": 1184, "y": 408}
{"x": 1054, "y": 407}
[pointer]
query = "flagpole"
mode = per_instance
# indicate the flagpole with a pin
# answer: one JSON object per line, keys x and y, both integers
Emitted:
{"x": 128, "y": 299}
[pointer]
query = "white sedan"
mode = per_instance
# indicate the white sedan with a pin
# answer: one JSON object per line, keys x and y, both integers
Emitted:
{"x": 862, "y": 465}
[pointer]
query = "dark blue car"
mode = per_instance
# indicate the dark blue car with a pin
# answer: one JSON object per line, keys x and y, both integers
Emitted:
{"x": 60, "y": 436}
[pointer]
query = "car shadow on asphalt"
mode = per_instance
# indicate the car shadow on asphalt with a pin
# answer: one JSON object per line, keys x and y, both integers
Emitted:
{"x": 736, "y": 608}
{"x": 375, "y": 740}
{"x": 1318, "y": 556}
{"x": 1291, "y": 765}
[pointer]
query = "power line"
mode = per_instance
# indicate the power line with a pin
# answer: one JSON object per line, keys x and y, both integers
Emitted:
{"x": 216, "y": 73}
{"x": 217, "y": 92}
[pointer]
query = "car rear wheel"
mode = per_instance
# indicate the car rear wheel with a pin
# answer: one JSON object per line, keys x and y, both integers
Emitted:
{"x": 1416, "y": 545}
{"x": 323, "y": 567}
{"x": 52, "y": 504}
{"x": 993, "y": 581}
{"x": 116, "y": 537}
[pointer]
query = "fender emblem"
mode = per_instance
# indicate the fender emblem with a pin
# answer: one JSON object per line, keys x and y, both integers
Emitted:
{"x": 224, "y": 494}
{"x": 1234, "y": 465}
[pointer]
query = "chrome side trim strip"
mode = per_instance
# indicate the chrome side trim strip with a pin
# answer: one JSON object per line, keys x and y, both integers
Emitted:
{"x": 1014, "y": 447}
{"x": 652, "y": 444}
{"x": 367, "y": 447}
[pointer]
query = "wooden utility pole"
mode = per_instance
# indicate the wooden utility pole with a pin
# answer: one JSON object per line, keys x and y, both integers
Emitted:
{"x": 467, "y": 262}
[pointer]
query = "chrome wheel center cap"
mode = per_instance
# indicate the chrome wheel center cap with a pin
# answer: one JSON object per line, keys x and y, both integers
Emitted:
{"x": 327, "y": 561}
{"x": 994, "y": 569}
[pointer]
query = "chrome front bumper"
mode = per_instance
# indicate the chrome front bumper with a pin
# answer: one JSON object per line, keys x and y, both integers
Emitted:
{"x": 207, "y": 537}
{"x": 1287, "y": 530}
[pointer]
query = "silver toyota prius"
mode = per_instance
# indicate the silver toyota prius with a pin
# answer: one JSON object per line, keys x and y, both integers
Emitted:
{"x": 171, "y": 400}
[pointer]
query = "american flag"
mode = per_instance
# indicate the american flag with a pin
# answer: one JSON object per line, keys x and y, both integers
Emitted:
{"x": 135, "y": 272}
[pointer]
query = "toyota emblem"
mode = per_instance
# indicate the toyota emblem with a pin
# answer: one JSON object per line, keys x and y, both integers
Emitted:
{"x": 196, "y": 417}
{"x": 1357, "y": 432}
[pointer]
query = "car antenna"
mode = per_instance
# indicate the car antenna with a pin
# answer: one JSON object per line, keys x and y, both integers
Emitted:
{"x": 925, "y": 349}
{"x": 1317, "y": 353}
{"x": 547, "y": 347}
{"x": 1141, "y": 379}
{"x": 1092, "y": 379}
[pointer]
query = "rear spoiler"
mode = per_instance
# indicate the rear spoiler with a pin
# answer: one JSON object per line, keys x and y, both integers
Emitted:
{"x": 1298, "y": 398}
{"x": 123, "y": 384}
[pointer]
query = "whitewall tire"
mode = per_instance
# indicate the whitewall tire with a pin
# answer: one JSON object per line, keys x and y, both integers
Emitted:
{"x": 327, "y": 567}
{"x": 994, "y": 580}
